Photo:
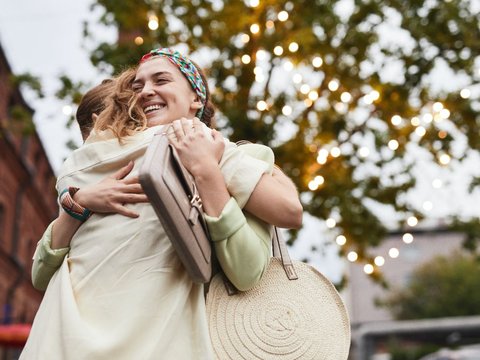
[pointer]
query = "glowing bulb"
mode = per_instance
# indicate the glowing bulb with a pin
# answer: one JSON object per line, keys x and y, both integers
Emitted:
{"x": 283, "y": 15}
{"x": 333, "y": 85}
{"x": 278, "y": 50}
{"x": 364, "y": 152}
{"x": 312, "y": 185}
{"x": 330, "y": 223}
{"x": 308, "y": 102}
{"x": 254, "y": 28}
{"x": 341, "y": 240}
{"x": 437, "y": 107}
{"x": 269, "y": 24}
{"x": 317, "y": 61}
{"x": 246, "y": 59}
{"x": 415, "y": 121}
{"x": 254, "y": 3}
{"x": 427, "y": 118}
{"x": 67, "y": 110}
{"x": 138, "y": 40}
{"x": 153, "y": 23}
{"x": 262, "y": 105}
{"x": 313, "y": 95}
{"x": 396, "y": 120}
{"x": 305, "y": 89}
{"x": 465, "y": 93}
{"x": 445, "y": 113}
{"x": 412, "y": 221}
{"x": 374, "y": 95}
{"x": 335, "y": 151}
{"x": 352, "y": 256}
{"x": 368, "y": 269}
{"x": 293, "y": 47}
{"x": 346, "y": 97}
{"x": 261, "y": 54}
{"x": 379, "y": 260}
{"x": 407, "y": 238}
{"x": 444, "y": 159}
{"x": 245, "y": 38}
{"x": 393, "y": 144}
{"x": 420, "y": 131}
{"x": 297, "y": 78}
{"x": 393, "y": 253}
{"x": 288, "y": 66}
{"x": 287, "y": 110}
{"x": 427, "y": 206}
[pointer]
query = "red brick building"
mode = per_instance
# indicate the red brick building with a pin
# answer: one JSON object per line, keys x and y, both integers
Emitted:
{"x": 27, "y": 201}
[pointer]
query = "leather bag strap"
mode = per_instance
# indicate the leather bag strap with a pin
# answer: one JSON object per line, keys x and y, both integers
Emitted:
{"x": 280, "y": 251}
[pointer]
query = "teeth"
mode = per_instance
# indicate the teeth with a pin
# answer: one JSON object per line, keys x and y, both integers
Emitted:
{"x": 153, "y": 108}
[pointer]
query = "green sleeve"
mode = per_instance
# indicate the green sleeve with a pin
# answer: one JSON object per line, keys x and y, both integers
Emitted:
{"x": 46, "y": 260}
{"x": 242, "y": 245}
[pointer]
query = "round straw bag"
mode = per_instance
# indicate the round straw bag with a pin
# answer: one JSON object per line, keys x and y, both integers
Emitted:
{"x": 293, "y": 313}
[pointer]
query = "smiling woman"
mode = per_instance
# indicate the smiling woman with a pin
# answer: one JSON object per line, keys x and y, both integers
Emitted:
{"x": 122, "y": 292}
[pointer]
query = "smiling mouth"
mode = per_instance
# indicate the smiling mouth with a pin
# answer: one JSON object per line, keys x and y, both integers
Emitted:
{"x": 152, "y": 108}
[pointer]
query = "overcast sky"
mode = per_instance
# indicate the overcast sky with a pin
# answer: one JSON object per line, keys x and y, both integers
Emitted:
{"x": 45, "y": 39}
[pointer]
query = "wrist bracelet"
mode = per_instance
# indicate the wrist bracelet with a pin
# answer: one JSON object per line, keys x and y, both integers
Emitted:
{"x": 71, "y": 207}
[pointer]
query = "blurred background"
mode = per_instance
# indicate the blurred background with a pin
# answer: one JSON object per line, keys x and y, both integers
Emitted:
{"x": 371, "y": 107}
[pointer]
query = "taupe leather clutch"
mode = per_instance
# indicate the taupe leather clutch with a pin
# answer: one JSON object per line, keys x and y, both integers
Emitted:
{"x": 173, "y": 194}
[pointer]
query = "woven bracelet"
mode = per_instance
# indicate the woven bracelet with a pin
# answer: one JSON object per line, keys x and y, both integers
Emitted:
{"x": 71, "y": 207}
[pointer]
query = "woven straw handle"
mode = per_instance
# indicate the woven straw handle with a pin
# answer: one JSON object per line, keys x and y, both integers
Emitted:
{"x": 280, "y": 251}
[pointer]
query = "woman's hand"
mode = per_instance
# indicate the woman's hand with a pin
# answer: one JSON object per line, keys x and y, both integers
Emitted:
{"x": 198, "y": 152}
{"x": 112, "y": 193}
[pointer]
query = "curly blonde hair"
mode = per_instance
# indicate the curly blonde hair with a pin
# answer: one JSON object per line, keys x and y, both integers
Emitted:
{"x": 122, "y": 115}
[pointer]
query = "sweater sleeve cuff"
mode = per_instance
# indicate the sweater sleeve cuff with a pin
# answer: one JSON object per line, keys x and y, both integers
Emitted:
{"x": 230, "y": 220}
{"x": 49, "y": 256}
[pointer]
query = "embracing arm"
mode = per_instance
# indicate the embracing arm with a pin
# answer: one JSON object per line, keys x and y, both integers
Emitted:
{"x": 108, "y": 196}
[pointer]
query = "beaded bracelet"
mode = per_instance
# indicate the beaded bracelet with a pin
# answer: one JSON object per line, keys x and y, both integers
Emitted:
{"x": 71, "y": 207}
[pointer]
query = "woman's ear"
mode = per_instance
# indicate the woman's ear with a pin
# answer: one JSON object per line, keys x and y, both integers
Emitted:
{"x": 94, "y": 117}
{"x": 196, "y": 104}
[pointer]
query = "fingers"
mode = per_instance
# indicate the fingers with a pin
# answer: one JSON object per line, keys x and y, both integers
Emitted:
{"x": 124, "y": 171}
{"x": 197, "y": 125}
{"x": 122, "y": 210}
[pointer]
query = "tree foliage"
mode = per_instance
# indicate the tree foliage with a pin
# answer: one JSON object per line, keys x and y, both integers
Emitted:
{"x": 315, "y": 83}
{"x": 443, "y": 287}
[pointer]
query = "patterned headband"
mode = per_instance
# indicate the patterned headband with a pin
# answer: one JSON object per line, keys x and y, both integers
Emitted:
{"x": 186, "y": 67}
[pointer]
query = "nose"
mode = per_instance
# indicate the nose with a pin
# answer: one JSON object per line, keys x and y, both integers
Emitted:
{"x": 147, "y": 90}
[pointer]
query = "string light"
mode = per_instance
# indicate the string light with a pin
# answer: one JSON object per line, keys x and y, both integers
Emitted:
{"x": 293, "y": 47}
{"x": 262, "y": 105}
{"x": 427, "y": 206}
{"x": 368, "y": 269}
{"x": 287, "y": 110}
{"x": 415, "y": 121}
{"x": 305, "y": 89}
{"x": 445, "y": 113}
{"x": 437, "y": 107}
{"x": 297, "y": 78}
{"x": 261, "y": 54}
{"x": 412, "y": 221}
{"x": 269, "y": 24}
{"x": 333, "y": 85}
{"x": 283, "y": 15}
{"x": 330, "y": 223}
{"x": 444, "y": 159}
{"x": 427, "y": 118}
{"x": 316, "y": 182}
{"x": 407, "y": 238}
{"x": 138, "y": 40}
{"x": 245, "y": 38}
{"x": 254, "y": 28}
{"x": 152, "y": 21}
{"x": 278, "y": 50}
{"x": 67, "y": 110}
{"x": 364, "y": 152}
{"x": 308, "y": 102}
{"x": 253, "y": 3}
{"x": 341, "y": 240}
{"x": 288, "y": 66}
{"x": 322, "y": 156}
{"x": 465, "y": 93}
{"x": 420, "y": 131}
{"x": 352, "y": 256}
{"x": 393, "y": 253}
{"x": 396, "y": 120}
{"x": 317, "y": 61}
{"x": 375, "y": 95}
{"x": 313, "y": 95}
{"x": 346, "y": 97}
{"x": 246, "y": 59}
{"x": 379, "y": 260}
{"x": 335, "y": 151}
{"x": 393, "y": 144}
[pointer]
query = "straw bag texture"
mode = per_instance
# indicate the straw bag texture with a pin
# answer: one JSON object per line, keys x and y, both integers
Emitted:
{"x": 293, "y": 313}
